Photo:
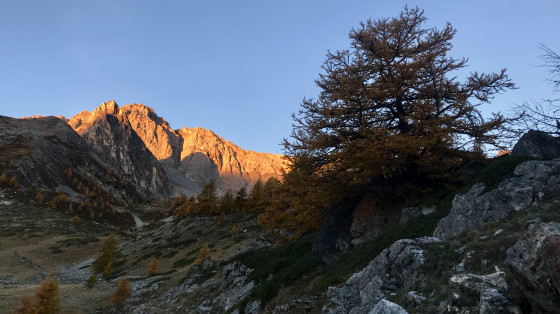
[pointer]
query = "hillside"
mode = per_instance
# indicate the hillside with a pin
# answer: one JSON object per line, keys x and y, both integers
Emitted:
{"x": 505, "y": 261}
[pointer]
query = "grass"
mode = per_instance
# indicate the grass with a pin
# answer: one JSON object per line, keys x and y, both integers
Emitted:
{"x": 287, "y": 264}
{"x": 500, "y": 169}
{"x": 183, "y": 262}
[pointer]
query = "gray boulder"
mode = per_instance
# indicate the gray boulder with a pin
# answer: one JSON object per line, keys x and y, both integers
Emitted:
{"x": 408, "y": 213}
{"x": 235, "y": 287}
{"x": 387, "y": 307}
{"x": 535, "y": 261}
{"x": 397, "y": 266}
{"x": 537, "y": 144}
{"x": 469, "y": 293}
{"x": 532, "y": 180}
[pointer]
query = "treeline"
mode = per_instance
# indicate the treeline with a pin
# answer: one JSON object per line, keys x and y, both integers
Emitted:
{"x": 260, "y": 197}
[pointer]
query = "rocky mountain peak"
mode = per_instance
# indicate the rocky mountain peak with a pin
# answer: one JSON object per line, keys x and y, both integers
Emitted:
{"x": 189, "y": 157}
{"x": 109, "y": 107}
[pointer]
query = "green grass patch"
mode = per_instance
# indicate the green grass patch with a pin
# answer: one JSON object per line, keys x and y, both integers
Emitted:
{"x": 183, "y": 262}
{"x": 287, "y": 264}
{"x": 500, "y": 169}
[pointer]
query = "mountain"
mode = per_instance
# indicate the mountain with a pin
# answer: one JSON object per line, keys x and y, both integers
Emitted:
{"x": 188, "y": 158}
{"x": 46, "y": 154}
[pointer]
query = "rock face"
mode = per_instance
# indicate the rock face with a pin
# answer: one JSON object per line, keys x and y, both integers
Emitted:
{"x": 39, "y": 151}
{"x": 537, "y": 144}
{"x": 108, "y": 130}
{"x": 187, "y": 158}
{"x": 397, "y": 266}
{"x": 532, "y": 181}
{"x": 469, "y": 293}
{"x": 535, "y": 260}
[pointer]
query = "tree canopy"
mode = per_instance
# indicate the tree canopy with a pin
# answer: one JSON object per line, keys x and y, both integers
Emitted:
{"x": 392, "y": 108}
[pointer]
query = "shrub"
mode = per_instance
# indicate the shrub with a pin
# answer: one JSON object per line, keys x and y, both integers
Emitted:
{"x": 107, "y": 253}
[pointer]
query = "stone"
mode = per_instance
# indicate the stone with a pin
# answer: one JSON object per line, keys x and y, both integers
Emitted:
{"x": 470, "y": 293}
{"x": 535, "y": 261}
{"x": 531, "y": 182}
{"x": 415, "y": 299}
{"x": 408, "y": 213}
{"x": 253, "y": 307}
{"x": 537, "y": 144}
{"x": 395, "y": 267}
{"x": 387, "y": 307}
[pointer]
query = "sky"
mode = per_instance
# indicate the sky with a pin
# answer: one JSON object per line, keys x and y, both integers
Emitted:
{"x": 239, "y": 68}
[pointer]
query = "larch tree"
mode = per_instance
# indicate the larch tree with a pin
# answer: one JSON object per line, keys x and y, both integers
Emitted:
{"x": 392, "y": 110}
{"x": 107, "y": 254}
{"x": 122, "y": 293}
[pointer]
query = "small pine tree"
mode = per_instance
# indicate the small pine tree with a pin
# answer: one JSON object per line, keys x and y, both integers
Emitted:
{"x": 75, "y": 218}
{"x": 46, "y": 297}
{"x": 3, "y": 178}
{"x": 122, "y": 293}
{"x": 203, "y": 254}
{"x": 233, "y": 230}
{"x": 107, "y": 253}
{"x": 222, "y": 218}
{"x": 152, "y": 267}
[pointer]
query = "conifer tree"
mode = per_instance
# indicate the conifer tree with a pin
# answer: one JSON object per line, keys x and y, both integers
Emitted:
{"x": 392, "y": 111}
{"x": 203, "y": 254}
{"x": 152, "y": 267}
{"x": 122, "y": 293}
{"x": 107, "y": 254}
{"x": 46, "y": 297}
{"x": 207, "y": 200}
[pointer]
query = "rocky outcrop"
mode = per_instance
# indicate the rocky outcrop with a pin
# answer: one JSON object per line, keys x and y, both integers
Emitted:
{"x": 235, "y": 286}
{"x": 535, "y": 260}
{"x": 397, "y": 266}
{"x": 469, "y": 293}
{"x": 537, "y": 144}
{"x": 108, "y": 129}
{"x": 188, "y": 158}
{"x": 532, "y": 181}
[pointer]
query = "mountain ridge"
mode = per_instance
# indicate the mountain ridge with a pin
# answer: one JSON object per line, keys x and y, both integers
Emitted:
{"x": 189, "y": 157}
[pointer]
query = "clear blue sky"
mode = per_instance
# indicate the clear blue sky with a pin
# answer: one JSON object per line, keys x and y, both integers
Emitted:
{"x": 238, "y": 67}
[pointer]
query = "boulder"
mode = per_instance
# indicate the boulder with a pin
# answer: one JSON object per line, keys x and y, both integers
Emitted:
{"x": 408, "y": 213}
{"x": 535, "y": 261}
{"x": 397, "y": 266}
{"x": 387, "y": 307}
{"x": 538, "y": 144}
{"x": 469, "y": 293}
{"x": 531, "y": 182}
